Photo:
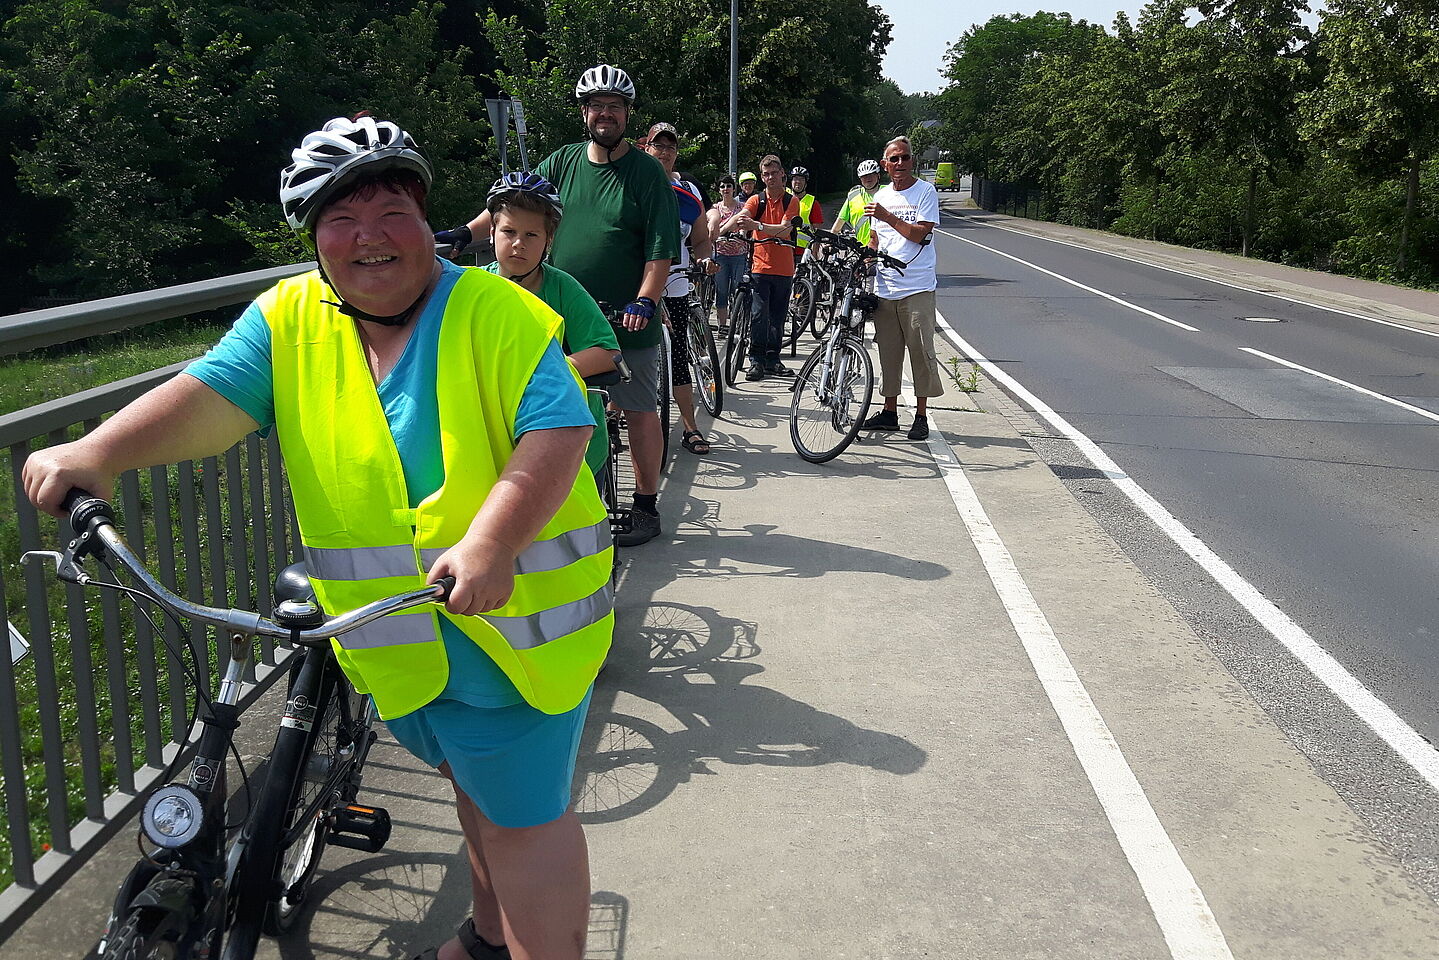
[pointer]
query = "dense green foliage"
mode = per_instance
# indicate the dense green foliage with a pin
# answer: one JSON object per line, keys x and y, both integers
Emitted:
{"x": 1227, "y": 125}
{"x": 143, "y": 139}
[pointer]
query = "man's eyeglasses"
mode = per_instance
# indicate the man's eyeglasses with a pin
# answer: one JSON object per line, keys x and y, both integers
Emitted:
{"x": 899, "y": 158}
{"x": 664, "y": 147}
{"x": 613, "y": 109}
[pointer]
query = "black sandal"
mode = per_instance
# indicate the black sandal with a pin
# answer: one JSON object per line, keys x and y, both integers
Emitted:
{"x": 693, "y": 440}
{"x": 474, "y": 945}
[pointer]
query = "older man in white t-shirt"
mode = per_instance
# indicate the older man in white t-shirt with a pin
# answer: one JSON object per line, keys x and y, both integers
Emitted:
{"x": 905, "y": 213}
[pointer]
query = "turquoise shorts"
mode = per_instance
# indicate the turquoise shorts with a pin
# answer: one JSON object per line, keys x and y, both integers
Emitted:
{"x": 515, "y": 762}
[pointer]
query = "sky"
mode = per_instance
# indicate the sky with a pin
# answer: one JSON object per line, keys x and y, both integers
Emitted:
{"x": 924, "y": 29}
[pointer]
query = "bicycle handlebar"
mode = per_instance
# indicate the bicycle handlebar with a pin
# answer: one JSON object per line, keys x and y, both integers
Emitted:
{"x": 854, "y": 246}
{"x": 93, "y": 519}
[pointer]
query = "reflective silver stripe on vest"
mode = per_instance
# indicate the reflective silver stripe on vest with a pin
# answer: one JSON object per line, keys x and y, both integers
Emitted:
{"x": 544, "y": 555}
{"x": 526, "y": 633}
{"x": 391, "y": 631}
{"x": 360, "y": 563}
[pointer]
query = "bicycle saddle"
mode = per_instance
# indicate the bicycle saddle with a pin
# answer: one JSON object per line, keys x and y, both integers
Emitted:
{"x": 293, "y": 583}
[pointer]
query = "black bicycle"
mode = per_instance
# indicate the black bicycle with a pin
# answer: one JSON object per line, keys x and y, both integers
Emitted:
{"x": 741, "y": 314}
{"x": 833, "y": 389}
{"x": 706, "y": 373}
{"x": 202, "y": 890}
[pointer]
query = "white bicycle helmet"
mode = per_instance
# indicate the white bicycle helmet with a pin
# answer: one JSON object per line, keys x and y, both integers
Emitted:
{"x": 331, "y": 156}
{"x": 605, "y": 79}
{"x": 866, "y": 167}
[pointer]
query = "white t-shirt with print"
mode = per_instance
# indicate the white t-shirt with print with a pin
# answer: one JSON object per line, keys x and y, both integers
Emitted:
{"x": 918, "y": 204}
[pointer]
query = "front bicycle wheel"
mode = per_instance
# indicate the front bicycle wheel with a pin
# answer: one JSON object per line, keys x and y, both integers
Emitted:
{"x": 830, "y": 403}
{"x": 663, "y": 401}
{"x": 147, "y": 933}
{"x": 276, "y": 823}
{"x": 705, "y": 371}
{"x": 737, "y": 343}
{"x": 801, "y": 311}
{"x": 330, "y": 776}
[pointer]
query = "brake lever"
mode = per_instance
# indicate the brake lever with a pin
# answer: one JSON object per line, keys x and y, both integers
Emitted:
{"x": 67, "y": 568}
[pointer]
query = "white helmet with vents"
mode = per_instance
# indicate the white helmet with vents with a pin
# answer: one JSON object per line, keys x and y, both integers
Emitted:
{"x": 867, "y": 167}
{"x": 605, "y": 79}
{"x": 332, "y": 156}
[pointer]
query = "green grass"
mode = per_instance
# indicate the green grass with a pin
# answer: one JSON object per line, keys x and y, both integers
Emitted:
{"x": 46, "y": 375}
{"x": 55, "y": 372}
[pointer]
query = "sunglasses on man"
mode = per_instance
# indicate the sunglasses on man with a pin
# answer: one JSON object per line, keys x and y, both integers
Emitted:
{"x": 899, "y": 158}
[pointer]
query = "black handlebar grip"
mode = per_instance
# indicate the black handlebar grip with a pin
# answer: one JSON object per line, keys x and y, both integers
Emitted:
{"x": 85, "y": 507}
{"x": 446, "y": 584}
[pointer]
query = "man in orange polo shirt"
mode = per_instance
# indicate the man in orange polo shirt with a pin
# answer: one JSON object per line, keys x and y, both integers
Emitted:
{"x": 767, "y": 216}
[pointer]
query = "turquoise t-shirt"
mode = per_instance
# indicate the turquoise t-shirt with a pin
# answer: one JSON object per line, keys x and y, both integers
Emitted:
{"x": 239, "y": 369}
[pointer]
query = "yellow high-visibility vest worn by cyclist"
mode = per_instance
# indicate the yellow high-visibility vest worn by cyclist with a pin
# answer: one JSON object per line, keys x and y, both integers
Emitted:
{"x": 806, "y": 204}
{"x": 853, "y": 212}
{"x": 362, "y": 540}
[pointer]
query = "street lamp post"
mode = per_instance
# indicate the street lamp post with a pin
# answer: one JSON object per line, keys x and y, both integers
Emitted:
{"x": 734, "y": 87}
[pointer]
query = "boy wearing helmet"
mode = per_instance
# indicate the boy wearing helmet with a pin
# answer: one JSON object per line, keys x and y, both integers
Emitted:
{"x": 618, "y": 238}
{"x": 420, "y": 440}
{"x": 526, "y": 211}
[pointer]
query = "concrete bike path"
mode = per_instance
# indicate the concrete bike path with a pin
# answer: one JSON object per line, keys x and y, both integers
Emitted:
{"x": 821, "y": 736}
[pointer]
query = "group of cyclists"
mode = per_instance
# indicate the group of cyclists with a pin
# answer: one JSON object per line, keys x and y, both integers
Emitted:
{"x": 434, "y": 421}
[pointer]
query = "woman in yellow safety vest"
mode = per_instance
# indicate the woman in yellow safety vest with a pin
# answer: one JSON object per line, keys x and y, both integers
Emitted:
{"x": 430, "y": 427}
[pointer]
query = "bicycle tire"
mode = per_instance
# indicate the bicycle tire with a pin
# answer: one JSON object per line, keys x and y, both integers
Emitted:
{"x": 253, "y": 878}
{"x": 705, "y": 370}
{"x": 838, "y": 420}
{"x": 664, "y": 401}
{"x": 823, "y": 312}
{"x": 801, "y": 310}
{"x": 146, "y": 935}
{"x": 738, "y": 340}
{"x": 331, "y": 775}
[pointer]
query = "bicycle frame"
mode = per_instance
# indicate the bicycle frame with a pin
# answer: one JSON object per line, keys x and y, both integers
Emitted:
{"x": 188, "y": 882}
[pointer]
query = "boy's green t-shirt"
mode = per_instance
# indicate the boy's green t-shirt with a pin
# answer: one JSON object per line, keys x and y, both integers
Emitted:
{"x": 618, "y": 216}
{"x": 585, "y": 327}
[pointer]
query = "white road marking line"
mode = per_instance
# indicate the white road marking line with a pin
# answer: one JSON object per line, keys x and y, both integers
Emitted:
{"x": 1386, "y": 724}
{"x": 1222, "y": 283}
{"x": 1074, "y": 283}
{"x": 1344, "y": 383}
{"x": 1178, "y": 905}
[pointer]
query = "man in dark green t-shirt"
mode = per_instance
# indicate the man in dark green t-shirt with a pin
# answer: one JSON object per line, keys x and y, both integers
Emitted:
{"x": 619, "y": 234}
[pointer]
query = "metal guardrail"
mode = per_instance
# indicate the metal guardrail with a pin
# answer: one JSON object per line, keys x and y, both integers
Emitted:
{"x": 42, "y": 328}
{"x": 90, "y": 719}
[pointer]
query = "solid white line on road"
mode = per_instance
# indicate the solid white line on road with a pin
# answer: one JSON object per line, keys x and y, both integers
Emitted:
{"x": 1200, "y": 276}
{"x": 1386, "y": 724}
{"x": 1344, "y": 383}
{"x": 1174, "y": 896}
{"x": 1074, "y": 283}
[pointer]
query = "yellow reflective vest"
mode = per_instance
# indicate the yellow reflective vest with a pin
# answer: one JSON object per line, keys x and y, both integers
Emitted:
{"x": 362, "y": 541}
{"x": 806, "y": 204}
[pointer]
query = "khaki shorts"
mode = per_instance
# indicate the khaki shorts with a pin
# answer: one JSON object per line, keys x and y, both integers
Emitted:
{"x": 905, "y": 326}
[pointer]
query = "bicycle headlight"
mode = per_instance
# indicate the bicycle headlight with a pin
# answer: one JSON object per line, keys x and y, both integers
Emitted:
{"x": 172, "y": 816}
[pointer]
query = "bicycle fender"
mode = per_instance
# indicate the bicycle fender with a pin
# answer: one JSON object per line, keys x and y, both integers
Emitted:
{"x": 171, "y": 894}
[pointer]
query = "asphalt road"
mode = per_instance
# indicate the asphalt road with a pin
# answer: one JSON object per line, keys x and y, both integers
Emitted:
{"x": 1319, "y": 495}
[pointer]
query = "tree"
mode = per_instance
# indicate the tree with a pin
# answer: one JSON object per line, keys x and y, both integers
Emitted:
{"x": 1378, "y": 106}
{"x": 802, "y": 89}
{"x": 985, "y": 68}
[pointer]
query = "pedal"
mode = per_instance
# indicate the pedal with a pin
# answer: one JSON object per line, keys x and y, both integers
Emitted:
{"x": 621, "y": 521}
{"x": 360, "y": 828}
